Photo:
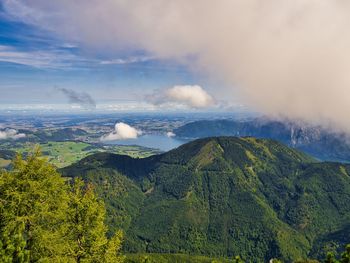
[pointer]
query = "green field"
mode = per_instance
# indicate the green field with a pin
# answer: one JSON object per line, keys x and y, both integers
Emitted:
{"x": 64, "y": 153}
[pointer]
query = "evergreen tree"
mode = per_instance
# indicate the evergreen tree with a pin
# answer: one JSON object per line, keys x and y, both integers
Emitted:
{"x": 33, "y": 198}
{"x": 44, "y": 219}
{"x": 345, "y": 257}
{"x": 330, "y": 258}
{"x": 237, "y": 259}
{"x": 85, "y": 224}
{"x": 112, "y": 253}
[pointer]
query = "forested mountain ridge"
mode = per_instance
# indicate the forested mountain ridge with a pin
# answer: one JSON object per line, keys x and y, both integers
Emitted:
{"x": 224, "y": 196}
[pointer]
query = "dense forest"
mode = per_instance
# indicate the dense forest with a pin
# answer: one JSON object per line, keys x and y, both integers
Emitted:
{"x": 220, "y": 199}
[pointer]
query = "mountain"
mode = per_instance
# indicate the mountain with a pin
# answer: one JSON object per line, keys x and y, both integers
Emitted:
{"x": 63, "y": 134}
{"x": 224, "y": 196}
{"x": 319, "y": 142}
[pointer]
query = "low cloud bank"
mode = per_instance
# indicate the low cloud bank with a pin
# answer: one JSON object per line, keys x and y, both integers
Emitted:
{"x": 11, "y": 134}
{"x": 192, "y": 96}
{"x": 122, "y": 131}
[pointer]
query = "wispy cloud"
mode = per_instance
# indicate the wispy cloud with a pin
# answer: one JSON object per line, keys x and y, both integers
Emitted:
{"x": 39, "y": 58}
{"x": 59, "y": 58}
{"x": 131, "y": 60}
{"x": 81, "y": 98}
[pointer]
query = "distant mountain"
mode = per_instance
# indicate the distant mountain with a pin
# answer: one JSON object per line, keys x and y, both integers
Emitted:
{"x": 224, "y": 196}
{"x": 316, "y": 141}
{"x": 63, "y": 134}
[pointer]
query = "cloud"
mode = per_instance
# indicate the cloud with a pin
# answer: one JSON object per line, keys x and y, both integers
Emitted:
{"x": 191, "y": 96}
{"x": 52, "y": 59}
{"x": 122, "y": 131}
{"x": 81, "y": 98}
{"x": 122, "y": 61}
{"x": 170, "y": 134}
{"x": 60, "y": 58}
{"x": 11, "y": 134}
{"x": 282, "y": 57}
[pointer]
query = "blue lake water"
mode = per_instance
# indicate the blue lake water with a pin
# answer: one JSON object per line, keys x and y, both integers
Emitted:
{"x": 157, "y": 141}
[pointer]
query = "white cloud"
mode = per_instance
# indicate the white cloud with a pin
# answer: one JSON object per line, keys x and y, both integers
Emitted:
{"x": 170, "y": 134}
{"x": 191, "y": 96}
{"x": 38, "y": 59}
{"x": 11, "y": 134}
{"x": 59, "y": 58}
{"x": 122, "y": 61}
{"x": 122, "y": 131}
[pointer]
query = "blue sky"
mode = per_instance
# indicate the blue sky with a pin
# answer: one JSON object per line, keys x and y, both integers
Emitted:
{"x": 34, "y": 61}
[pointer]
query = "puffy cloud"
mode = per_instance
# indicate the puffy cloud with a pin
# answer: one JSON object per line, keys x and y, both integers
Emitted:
{"x": 191, "y": 96}
{"x": 122, "y": 131}
{"x": 11, "y": 134}
{"x": 170, "y": 134}
{"x": 282, "y": 57}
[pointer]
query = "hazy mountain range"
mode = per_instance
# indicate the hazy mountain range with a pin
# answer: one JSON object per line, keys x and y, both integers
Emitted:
{"x": 319, "y": 142}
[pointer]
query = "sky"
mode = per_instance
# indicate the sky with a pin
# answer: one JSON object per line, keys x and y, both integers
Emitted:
{"x": 281, "y": 58}
{"x": 36, "y": 63}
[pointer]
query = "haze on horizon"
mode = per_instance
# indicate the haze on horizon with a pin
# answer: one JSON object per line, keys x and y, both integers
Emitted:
{"x": 284, "y": 58}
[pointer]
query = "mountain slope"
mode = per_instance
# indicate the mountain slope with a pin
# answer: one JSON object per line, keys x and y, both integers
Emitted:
{"x": 223, "y": 196}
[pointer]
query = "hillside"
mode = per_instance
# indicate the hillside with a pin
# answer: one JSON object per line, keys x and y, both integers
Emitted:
{"x": 317, "y": 141}
{"x": 224, "y": 196}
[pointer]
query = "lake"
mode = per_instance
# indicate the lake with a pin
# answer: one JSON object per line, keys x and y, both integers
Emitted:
{"x": 157, "y": 141}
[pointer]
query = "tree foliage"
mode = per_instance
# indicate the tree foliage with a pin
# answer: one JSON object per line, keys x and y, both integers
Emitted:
{"x": 344, "y": 258}
{"x": 45, "y": 219}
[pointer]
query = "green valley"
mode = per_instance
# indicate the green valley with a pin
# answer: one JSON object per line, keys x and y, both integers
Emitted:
{"x": 64, "y": 153}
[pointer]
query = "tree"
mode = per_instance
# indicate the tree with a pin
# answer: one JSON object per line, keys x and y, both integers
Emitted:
{"x": 237, "y": 259}
{"x": 112, "y": 253}
{"x": 33, "y": 199}
{"x": 85, "y": 224}
{"x": 345, "y": 257}
{"x": 86, "y": 229}
{"x": 330, "y": 258}
{"x": 43, "y": 218}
